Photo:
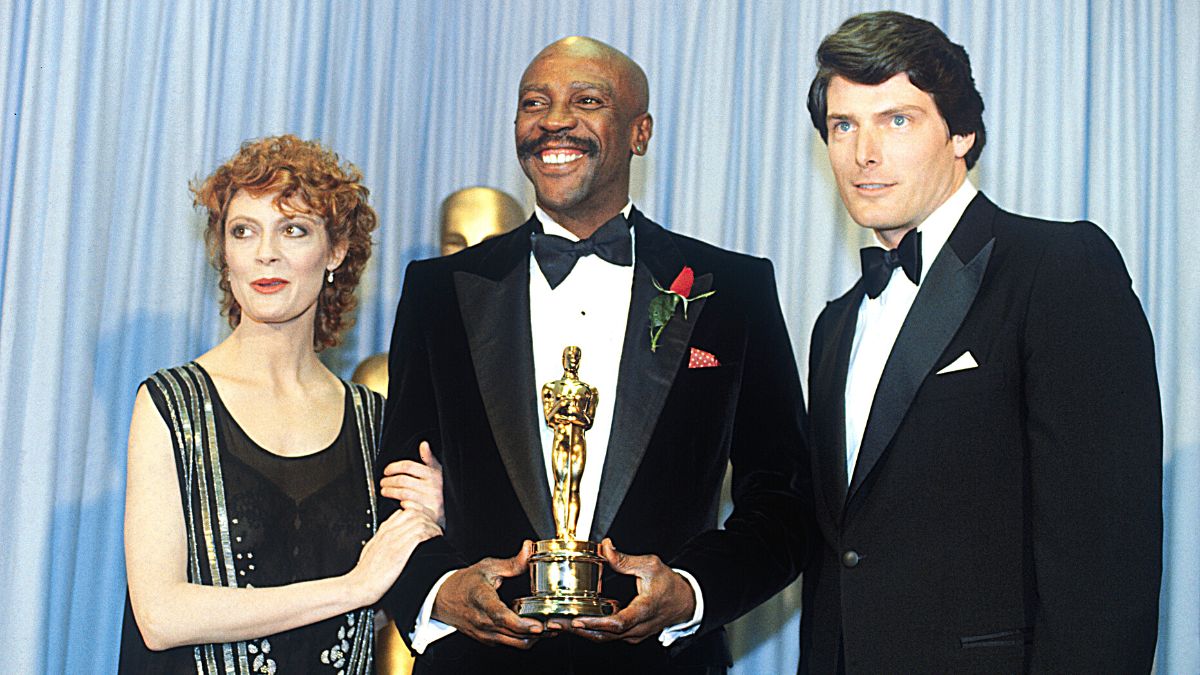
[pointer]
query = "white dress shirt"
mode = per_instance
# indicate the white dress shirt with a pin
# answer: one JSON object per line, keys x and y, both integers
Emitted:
{"x": 589, "y": 310}
{"x": 880, "y": 319}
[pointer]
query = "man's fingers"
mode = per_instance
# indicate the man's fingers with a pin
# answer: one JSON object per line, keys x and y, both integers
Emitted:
{"x": 507, "y": 621}
{"x": 503, "y": 619}
{"x": 487, "y": 629}
{"x": 634, "y": 623}
{"x": 468, "y": 601}
{"x": 428, "y": 458}
{"x": 595, "y": 635}
{"x": 635, "y": 634}
{"x": 498, "y": 639}
{"x": 501, "y": 568}
{"x": 623, "y": 621}
{"x": 622, "y": 563}
{"x": 496, "y": 617}
{"x": 524, "y": 554}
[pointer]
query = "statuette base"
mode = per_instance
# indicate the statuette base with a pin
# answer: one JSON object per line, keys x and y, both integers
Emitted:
{"x": 565, "y": 578}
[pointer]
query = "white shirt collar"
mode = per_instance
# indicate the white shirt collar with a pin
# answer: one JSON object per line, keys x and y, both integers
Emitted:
{"x": 937, "y": 226}
{"x": 549, "y": 226}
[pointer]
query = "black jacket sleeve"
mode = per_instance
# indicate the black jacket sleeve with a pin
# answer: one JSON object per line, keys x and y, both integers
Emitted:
{"x": 1094, "y": 437}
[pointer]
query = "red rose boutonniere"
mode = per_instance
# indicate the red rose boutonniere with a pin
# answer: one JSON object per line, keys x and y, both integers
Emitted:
{"x": 662, "y": 307}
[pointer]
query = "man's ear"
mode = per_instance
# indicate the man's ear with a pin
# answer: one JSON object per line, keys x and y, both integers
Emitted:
{"x": 639, "y": 137}
{"x": 962, "y": 144}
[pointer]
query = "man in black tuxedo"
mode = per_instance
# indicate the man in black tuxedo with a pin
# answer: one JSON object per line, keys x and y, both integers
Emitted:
{"x": 479, "y": 332}
{"x": 985, "y": 420}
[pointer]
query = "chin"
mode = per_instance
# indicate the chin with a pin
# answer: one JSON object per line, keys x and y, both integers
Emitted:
{"x": 873, "y": 219}
{"x": 282, "y": 313}
{"x": 558, "y": 202}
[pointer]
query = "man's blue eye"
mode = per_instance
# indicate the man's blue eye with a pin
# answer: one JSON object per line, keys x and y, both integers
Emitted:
{"x": 899, "y": 120}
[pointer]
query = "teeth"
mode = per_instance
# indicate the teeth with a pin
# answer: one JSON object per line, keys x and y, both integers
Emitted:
{"x": 560, "y": 158}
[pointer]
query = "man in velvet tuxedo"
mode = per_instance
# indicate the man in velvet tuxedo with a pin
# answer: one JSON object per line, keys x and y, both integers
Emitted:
{"x": 479, "y": 332}
{"x": 985, "y": 420}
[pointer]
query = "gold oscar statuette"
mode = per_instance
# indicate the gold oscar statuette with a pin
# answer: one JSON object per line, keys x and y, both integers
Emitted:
{"x": 565, "y": 572}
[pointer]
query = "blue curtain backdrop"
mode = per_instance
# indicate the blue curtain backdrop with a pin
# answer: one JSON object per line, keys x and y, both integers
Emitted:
{"x": 110, "y": 108}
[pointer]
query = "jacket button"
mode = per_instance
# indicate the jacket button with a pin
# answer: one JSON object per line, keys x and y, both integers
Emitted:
{"x": 850, "y": 558}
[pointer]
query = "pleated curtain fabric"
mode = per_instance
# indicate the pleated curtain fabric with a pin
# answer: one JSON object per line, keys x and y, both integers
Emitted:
{"x": 111, "y": 108}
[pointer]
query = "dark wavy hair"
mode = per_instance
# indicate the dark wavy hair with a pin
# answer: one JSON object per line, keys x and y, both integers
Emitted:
{"x": 871, "y": 48}
{"x": 309, "y": 179}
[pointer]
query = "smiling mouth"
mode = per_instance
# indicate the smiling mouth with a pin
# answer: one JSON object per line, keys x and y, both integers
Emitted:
{"x": 557, "y": 149}
{"x": 872, "y": 187}
{"x": 560, "y": 156}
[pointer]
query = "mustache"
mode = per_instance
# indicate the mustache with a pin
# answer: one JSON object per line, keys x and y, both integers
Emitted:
{"x": 533, "y": 146}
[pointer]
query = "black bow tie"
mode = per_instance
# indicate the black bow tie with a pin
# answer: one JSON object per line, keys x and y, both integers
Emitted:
{"x": 878, "y": 263}
{"x": 556, "y": 256}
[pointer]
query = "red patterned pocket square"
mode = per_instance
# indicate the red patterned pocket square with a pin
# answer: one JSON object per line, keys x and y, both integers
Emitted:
{"x": 702, "y": 359}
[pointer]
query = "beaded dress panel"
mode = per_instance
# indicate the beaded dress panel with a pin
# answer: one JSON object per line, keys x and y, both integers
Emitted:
{"x": 255, "y": 519}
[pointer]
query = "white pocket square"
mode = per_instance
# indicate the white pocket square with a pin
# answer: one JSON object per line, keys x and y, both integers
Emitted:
{"x": 964, "y": 362}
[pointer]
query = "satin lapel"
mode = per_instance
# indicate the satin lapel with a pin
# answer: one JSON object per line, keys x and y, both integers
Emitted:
{"x": 645, "y": 378}
{"x": 828, "y": 411}
{"x": 495, "y": 310}
{"x": 945, "y": 297}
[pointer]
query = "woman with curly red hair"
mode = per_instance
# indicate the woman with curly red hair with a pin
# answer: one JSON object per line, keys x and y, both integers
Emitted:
{"x": 251, "y": 537}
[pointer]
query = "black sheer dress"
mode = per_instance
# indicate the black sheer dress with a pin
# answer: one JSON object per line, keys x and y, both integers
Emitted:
{"x": 255, "y": 518}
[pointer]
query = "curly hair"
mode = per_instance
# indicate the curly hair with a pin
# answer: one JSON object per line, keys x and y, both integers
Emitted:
{"x": 871, "y": 48}
{"x": 309, "y": 179}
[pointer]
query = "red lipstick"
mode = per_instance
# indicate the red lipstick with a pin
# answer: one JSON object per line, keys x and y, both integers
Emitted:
{"x": 268, "y": 286}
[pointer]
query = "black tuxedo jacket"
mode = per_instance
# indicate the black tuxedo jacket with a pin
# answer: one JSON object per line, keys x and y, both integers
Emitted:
{"x": 1005, "y": 518}
{"x": 461, "y": 376}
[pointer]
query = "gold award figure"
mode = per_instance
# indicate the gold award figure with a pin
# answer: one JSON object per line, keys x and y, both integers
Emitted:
{"x": 570, "y": 407}
{"x": 564, "y": 571}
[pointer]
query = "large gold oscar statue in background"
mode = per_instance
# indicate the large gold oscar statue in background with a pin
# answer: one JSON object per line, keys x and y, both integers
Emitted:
{"x": 565, "y": 572}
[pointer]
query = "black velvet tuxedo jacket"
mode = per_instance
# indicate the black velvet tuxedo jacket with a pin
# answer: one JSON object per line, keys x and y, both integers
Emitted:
{"x": 1005, "y": 518}
{"x": 462, "y": 377}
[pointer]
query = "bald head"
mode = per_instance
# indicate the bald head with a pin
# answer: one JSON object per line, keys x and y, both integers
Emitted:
{"x": 631, "y": 79}
{"x": 473, "y": 214}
